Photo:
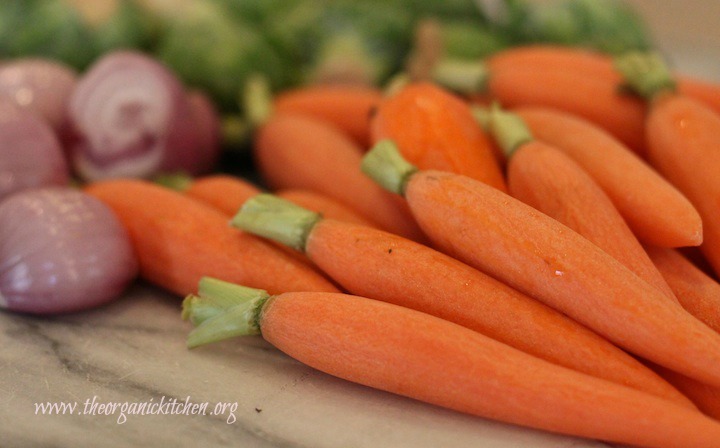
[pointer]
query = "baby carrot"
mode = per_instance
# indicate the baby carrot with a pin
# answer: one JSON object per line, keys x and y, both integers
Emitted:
{"x": 382, "y": 266}
{"x": 655, "y": 210}
{"x": 585, "y": 62}
{"x": 322, "y": 204}
{"x": 545, "y": 178}
{"x": 705, "y": 397}
{"x": 545, "y": 259}
{"x": 420, "y": 356}
{"x": 294, "y": 151}
{"x": 436, "y": 130}
{"x": 683, "y": 137}
{"x": 178, "y": 240}
{"x": 697, "y": 292}
{"x": 225, "y": 192}
{"x": 348, "y": 107}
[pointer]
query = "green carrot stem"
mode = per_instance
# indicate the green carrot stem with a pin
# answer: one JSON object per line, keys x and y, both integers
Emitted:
{"x": 174, "y": 181}
{"x": 466, "y": 77}
{"x": 223, "y": 310}
{"x": 396, "y": 84}
{"x": 257, "y": 100}
{"x": 271, "y": 217}
{"x": 235, "y": 131}
{"x": 481, "y": 115}
{"x": 386, "y": 166}
{"x": 646, "y": 74}
{"x": 507, "y": 129}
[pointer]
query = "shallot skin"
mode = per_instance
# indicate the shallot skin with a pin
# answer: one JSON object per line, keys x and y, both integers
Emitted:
{"x": 61, "y": 250}
{"x": 30, "y": 153}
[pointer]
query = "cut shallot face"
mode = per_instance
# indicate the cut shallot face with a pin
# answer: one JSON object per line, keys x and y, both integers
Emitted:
{"x": 123, "y": 112}
{"x": 42, "y": 86}
{"x": 30, "y": 154}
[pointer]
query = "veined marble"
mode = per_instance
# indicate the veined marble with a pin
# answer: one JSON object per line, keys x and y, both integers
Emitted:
{"x": 133, "y": 351}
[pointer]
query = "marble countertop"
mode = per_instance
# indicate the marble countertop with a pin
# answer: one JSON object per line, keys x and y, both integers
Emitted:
{"x": 133, "y": 351}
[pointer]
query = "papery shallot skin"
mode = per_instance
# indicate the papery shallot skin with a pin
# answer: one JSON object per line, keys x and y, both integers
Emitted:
{"x": 61, "y": 250}
{"x": 42, "y": 86}
{"x": 130, "y": 117}
{"x": 30, "y": 153}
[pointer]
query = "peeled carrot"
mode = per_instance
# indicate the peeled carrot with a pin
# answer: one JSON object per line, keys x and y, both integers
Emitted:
{"x": 382, "y": 266}
{"x": 545, "y": 178}
{"x": 654, "y": 209}
{"x": 697, "y": 292}
{"x": 224, "y": 192}
{"x": 178, "y": 240}
{"x": 436, "y": 130}
{"x": 683, "y": 137}
{"x": 545, "y": 259}
{"x": 585, "y": 62}
{"x": 324, "y": 205}
{"x": 413, "y": 354}
{"x": 294, "y": 151}
{"x": 348, "y": 107}
{"x": 707, "y": 398}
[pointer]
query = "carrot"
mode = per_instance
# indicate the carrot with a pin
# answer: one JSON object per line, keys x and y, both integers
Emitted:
{"x": 324, "y": 205}
{"x": 382, "y": 266}
{"x": 585, "y": 62}
{"x": 348, "y": 107}
{"x": 707, "y": 398}
{"x": 406, "y": 352}
{"x": 655, "y": 210}
{"x": 178, "y": 240}
{"x": 545, "y": 178}
{"x": 294, "y": 151}
{"x": 545, "y": 259}
{"x": 697, "y": 292}
{"x": 683, "y": 137}
{"x": 436, "y": 130}
{"x": 225, "y": 192}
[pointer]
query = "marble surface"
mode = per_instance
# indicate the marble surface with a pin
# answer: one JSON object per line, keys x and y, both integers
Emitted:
{"x": 133, "y": 351}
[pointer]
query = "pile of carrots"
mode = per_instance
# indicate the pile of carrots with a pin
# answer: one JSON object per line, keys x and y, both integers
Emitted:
{"x": 543, "y": 251}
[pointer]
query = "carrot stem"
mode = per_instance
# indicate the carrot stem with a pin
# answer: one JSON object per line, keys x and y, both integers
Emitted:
{"x": 257, "y": 100}
{"x": 466, "y": 77}
{"x": 174, "y": 181}
{"x": 384, "y": 164}
{"x": 222, "y": 310}
{"x": 508, "y": 129}
{"x": 645, "y": 73}
{"x": 277, "y": 219}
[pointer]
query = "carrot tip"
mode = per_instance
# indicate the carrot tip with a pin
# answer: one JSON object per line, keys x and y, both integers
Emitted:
{"x": 222, "y": 310}
{"x": 384, "y": 164}
{"x": 271, "y": 217}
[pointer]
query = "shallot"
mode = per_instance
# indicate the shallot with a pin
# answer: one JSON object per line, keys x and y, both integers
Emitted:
{"x": 131, "y": 118}
{"x": 61, "y": 250}
{"x": 30, "y": 154}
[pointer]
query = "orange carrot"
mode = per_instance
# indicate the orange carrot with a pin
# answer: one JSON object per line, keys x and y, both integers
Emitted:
{"x": 413, "y": 354}
{"x": 653, "y": 208}
{"x": 387, "y": 267}
{"x": 543, "y": 258}
{"x": 436, "y": 130}
{"x": 545, "y": 178}
{"x": 697, "y": 292}
{"x": 348, "y": 107}
{"x": 293, "y": 151}
{"x": 324, "y": 205}
{"x": 683, "y": 137}
{"x": 585, "y": 62}
{"x": 707, "y": 398}
{"x": 178, "y": 240}
{"x": 225, "y": 192}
